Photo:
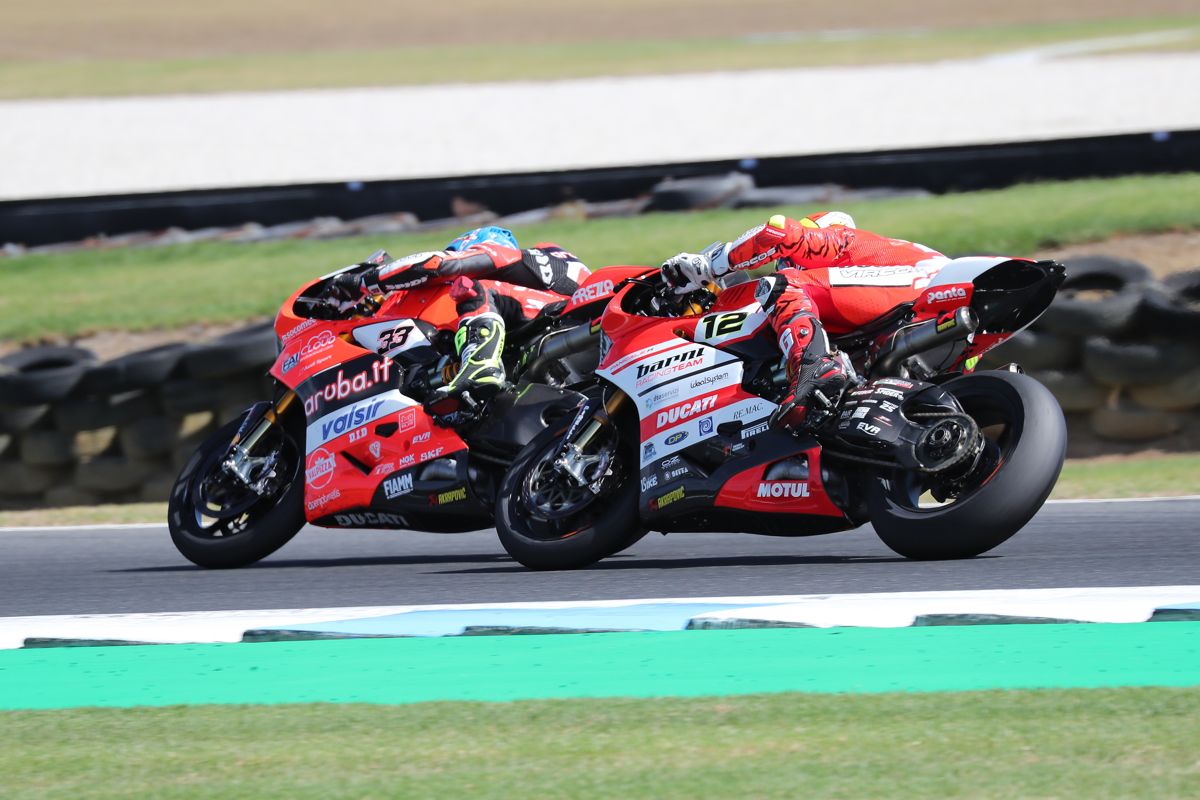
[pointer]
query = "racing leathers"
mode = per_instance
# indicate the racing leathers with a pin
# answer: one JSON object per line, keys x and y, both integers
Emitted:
{"x": 494, "y": 287}
{"x": 829, "y": 276}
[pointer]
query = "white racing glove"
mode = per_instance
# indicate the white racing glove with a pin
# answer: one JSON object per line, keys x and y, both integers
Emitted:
{"x": 687, "y": 272}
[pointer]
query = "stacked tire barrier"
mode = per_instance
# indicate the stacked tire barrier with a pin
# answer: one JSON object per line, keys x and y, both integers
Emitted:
{"x": 74, "y": 431}
{"x": 1121, "y": 352}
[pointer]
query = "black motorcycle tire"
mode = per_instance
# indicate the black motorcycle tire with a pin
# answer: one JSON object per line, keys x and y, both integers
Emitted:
{"x": 519, "y": 534}
{"x": 268, "y": 532}
{"x": 1032, "y": 447}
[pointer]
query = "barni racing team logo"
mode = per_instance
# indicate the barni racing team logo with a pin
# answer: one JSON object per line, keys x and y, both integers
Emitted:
{"x": 318, "y": 470}
{"x": 671, "y": 365}
{"x": 340, "y": 387}
{"x": 783, "y": 489}
{"x": 686, "y": 410}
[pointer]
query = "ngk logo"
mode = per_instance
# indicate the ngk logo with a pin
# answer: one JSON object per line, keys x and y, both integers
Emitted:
{"x": 686, "y": 410}
{"x": 783, "y": 489}
{"x": 956, "y": 293}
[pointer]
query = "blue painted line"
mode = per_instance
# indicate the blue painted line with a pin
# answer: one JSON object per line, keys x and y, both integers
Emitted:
{"x": 452, "y": 622}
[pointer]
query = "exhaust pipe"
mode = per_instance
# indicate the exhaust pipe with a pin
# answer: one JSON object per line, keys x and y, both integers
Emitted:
{"x": 926, "y": 336}
{"x": 558, "y": 346}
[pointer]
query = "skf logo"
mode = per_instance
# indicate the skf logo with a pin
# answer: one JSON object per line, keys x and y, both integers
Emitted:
{"x": 686, "y": 410}
{"x": 666, "y": 499}
{"x": 956, "y": 293}
{"x": 593, "y": 291}
{"x": 783, "y": 489}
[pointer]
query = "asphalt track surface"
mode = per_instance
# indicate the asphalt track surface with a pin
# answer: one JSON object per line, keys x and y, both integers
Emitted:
{"x": 99, "y": 570}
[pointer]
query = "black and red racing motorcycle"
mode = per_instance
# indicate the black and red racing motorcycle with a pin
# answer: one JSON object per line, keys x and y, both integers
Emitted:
{"x": 346, "y": 442}
{"x": 944, "y": 461}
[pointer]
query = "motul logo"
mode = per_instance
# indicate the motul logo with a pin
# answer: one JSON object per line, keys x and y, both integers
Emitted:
{"x": 783, "y": 489}
{"x": 682, "y": 412}
{"x": 957, "y": 293}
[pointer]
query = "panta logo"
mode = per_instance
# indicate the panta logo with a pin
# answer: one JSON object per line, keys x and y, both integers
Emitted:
{"x": 318, "y": 470}
{"x": 401, "y": 484}
{"x": 783, "y": 489}
{"x": 407, "y": 420}
{"x": 669, "y": 361}
{"x": 686, "y": 410}
{"x": 593, "y": 291}
{"x": 956, "y": 293}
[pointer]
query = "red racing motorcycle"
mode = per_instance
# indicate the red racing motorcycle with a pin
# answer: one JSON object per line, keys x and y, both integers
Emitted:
{"x": 346, "y": 442}
{"x": 943, "y": 461}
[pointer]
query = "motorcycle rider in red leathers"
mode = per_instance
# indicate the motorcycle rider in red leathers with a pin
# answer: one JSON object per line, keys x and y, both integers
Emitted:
{"x": 494, "y": 283}
{"x": 830, "y": 277}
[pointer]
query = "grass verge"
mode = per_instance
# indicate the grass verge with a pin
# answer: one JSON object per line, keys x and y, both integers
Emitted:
{"x": 469, "y": 63}
{"x": 1157, "y": 475}
{"x": 170, "y": 287}
{"x": 1065, "y": 743}
{"x": 1129, "y": 476}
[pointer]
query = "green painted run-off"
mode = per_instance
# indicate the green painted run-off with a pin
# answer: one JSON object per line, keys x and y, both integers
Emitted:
{"x": 684, "y": 663}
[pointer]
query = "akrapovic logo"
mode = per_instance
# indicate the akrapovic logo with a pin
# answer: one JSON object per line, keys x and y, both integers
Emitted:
{"x": 783, "y": 489}
{"x": 686, "y": 410}
{"x": 956, "y": 293}
{"x": 669, "y": 361}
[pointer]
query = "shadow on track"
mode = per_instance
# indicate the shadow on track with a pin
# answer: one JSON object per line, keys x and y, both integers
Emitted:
{"x": 373, "y": 561}
{"x": 722, "y": 561}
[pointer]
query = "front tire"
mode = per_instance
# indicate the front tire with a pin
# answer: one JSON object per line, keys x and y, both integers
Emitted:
{"x": 564, "y": 532}
{"x": 212, "y": 526}
{"x": 1026, "y": 443}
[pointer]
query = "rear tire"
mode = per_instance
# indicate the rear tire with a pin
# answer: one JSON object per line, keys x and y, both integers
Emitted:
{"x": 1026, "y": 432}
{"x": 570, "y": 542}
{"x": 263, "y": 527}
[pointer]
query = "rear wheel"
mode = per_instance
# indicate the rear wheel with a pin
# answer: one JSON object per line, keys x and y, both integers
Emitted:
{"x": 1025, "y": 444}
{"x": 547, "y": 520}
{"x": 217, "y": 521}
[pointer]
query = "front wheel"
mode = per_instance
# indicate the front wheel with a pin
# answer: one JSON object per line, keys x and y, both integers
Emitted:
{"x": 216, "y": 521}
{"x": 546, "y": 520}
{"x": 1025, "y": 444}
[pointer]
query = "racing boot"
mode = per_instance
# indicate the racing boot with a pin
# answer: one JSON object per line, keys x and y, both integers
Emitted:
{"x": 480, "y": 345}
{"x": 817, "y": 376}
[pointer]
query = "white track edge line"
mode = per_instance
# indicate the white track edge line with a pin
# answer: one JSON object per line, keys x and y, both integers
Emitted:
{"x": 152, "y": 525}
